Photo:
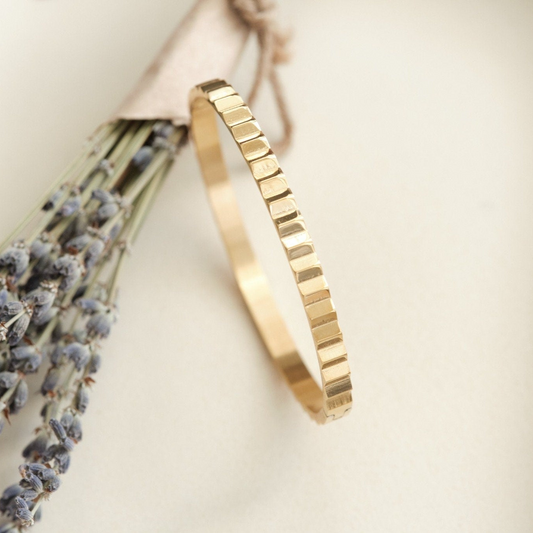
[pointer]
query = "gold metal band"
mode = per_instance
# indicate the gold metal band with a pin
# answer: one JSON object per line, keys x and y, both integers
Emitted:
{"x": 335, "y": 399}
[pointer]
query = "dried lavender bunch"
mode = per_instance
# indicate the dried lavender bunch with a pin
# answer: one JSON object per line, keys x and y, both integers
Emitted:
{"x": 58, "y": 288}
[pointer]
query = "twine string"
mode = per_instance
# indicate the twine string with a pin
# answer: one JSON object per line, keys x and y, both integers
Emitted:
{"x": 259, "y": 16}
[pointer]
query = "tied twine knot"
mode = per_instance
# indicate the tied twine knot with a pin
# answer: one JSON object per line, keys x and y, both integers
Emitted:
{"x": 259, "y": 16}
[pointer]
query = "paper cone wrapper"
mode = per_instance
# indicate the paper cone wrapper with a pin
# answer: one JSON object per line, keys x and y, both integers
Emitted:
{"x": 206, "y": 45}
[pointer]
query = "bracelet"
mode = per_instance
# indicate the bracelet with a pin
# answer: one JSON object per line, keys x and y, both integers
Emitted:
{"x": 334, "y": 399}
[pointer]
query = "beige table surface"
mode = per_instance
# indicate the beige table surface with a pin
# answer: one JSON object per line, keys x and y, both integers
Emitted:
{"x": 412, "y": 162}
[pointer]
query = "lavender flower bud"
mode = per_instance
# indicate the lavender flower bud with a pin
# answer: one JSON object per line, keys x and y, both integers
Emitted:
{"x": 8, "y": 379}
{"x": 70, "y": 206}
{"x": 43, "y": 297}
{"x": 143, "y": 158}
{"x": 66, "y": 420}
{"x": 21, "y": 353}
{"x": 43, "y": 318}
{"x": 15, "y": 259}
{"x": 52, "y": 484}
{"x": 26, "y": 358}
{"x": 27, "y": 469}
{"x": 103, "y": 196}
{"x": 47, "y": 474}
{"x": 20, "y": 397}
{"x": 78, "y": 353}
{"x": 40, "y": 247}
{"x": 53, "y": 200}
{"x": 38, "y": 514}
{"x": 164, "y": 130}
{"x": 35, "y": 483}
{"x": 3, "y": 296}
{"x": 29, "y": 495}
{"x": 115, "y": 230}
{"x": 94, "y": 364}
{"x": 8, "y": 496}
{"x": 18, "y": 329}
{"x": 7, "y": 528}
{"x": 75, "y": 431}
{"x": 64, "y": 464}
{"x": 99, "y": 325}
{"x": 36, "y": 447}
{"x": 78, "y": 243}
{"x": 68, "y": 267}
{"x": 11, "y": 309}
{"x": 50, "y": 381}
{"x": 81, "y": 400}
{"x": 59, "y": 453}
{"x": 22, "y": 512}
{"x": 58, "y": 430}
{"x": 49, "y": 409}
{"x": 93, "y": 253}
{"x": 90, "y": 305}
{"x": 106, "y": 211}
{"x": 55, "y": 356}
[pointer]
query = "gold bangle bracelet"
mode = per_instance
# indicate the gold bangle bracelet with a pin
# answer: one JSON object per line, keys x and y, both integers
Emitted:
{"x": 334, "y": 400}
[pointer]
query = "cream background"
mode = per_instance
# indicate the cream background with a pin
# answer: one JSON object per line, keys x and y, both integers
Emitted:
{"x": 412, "y": 162}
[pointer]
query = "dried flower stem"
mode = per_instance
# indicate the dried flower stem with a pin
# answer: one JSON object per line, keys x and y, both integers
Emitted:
{"x": 54, "y": 301}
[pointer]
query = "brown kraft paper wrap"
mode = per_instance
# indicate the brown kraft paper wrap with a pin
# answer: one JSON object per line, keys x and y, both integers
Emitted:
{"x": 205, "y": 45}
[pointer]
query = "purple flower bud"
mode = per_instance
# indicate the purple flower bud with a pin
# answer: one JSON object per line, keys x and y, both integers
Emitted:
{"x": 143, "y": 158}
{"x": 53, "y": 200}
{"x": 55, "y": 356}
{"x": 106, "y": 211}
{"x": 26, "y": 358}
{"x": 95, "y": 364}
{"x": 78, "y": 353}
{"x": 3, "y": 297}
{"x": 115, "y": 230}
{"x": 90, "y": 305}
{"x": 29, "y": 495}
{"x": 49, "y": 409}
{"x": 52, "y": 484}
{"x": 36, "y": 447}
{"x": 50, "y": 381}
{"x": 75, "y": 431}
{"x": 8, "y": 496}
{"x": 93, "y": 253}
{"x": 103, "y": 196}
{"x": 35, "y": 483}
{"x": 40, "y": 247}
{"x": 68, "y": 267}
{"x": 11, "y": 309}
{"x": 47, "y": 473}
{"x": 58, "y": 429}
{"x": 43, "y": 318}
{"x": 16, "y": 260}
{"x": 18, "y": 329}
{"x": 8, "y": 379}
{"x": 72, "y": 205}
{"x": 99, "y": 325}
{"x": 64, "y": 463}
{"x": 79, "y": 243}
{"x": 42, "y": 297}
{"x": 81, "y": 400}
{"x": 20, "y": 397}
{"x": 66, "y": 420}
{"x": 68, "y": 444}
{"x": 163, "y": 130}
{"x": 23, "y": 513}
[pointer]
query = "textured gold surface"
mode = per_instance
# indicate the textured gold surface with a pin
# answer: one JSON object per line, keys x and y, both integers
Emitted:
{"x": 334, "y": 400}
